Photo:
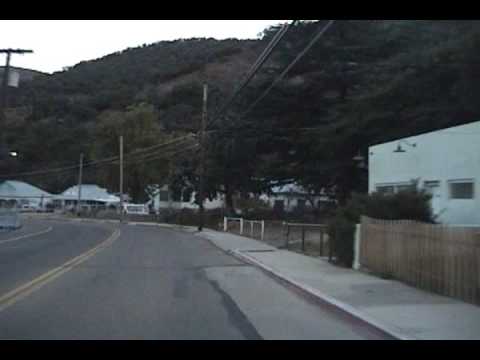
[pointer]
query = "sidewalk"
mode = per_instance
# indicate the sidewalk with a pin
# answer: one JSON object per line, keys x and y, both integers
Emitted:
{"x": 401, "y": 310}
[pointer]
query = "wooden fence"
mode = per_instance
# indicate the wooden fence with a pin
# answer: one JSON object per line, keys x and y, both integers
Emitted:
{"x": 438, "y": 258}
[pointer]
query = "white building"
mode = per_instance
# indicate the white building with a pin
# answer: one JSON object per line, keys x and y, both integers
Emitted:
{"x": 291, "y": 197}
{"x": 23, "y": 194}
{"x": 163, "y": 199}
{"x": 446, "y": 163}
{"x": 90, "y": 195}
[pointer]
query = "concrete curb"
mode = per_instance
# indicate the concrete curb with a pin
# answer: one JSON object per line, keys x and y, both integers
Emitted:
{"x": 323, "y": 297}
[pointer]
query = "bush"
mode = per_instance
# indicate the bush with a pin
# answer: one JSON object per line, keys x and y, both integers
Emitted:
{"x": 405, "y": 205}
{"x": 341, "y": 231}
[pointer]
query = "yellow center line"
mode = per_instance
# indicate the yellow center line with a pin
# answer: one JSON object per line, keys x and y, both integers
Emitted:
{"x": 27, "y": 235}
{"x": 23, "y": 291}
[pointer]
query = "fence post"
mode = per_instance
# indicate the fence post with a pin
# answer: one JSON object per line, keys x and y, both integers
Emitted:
{"x": 331, "y": 244}
{"x": 356, "y": 253}
{"x": 263, "y": 230}
{"x": 225, "y": 224}
{"x": 251, "y": 229}
{"x": 321, "y": 242}
{"x": 288, "y": 233}
{"x": 241, "y": 226}
{"x": 303, "y": 238}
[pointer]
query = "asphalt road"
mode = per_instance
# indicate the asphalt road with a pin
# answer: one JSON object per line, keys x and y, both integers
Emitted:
{"x": 145, "y": 282}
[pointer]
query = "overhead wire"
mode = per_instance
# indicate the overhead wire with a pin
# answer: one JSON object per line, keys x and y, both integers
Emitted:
{"x": 100, "y": 161}
{"x": 145, "y": 158}
{"x": 263, "y": 57}
{"x": 312, "y": 42}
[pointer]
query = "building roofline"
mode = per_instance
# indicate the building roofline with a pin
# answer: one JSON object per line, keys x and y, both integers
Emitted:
{"x": 425, "y": 133}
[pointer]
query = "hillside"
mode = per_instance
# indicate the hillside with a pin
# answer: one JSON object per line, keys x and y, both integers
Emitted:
{"x": 365, "y": 82}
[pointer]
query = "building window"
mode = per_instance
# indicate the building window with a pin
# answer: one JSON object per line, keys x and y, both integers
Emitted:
{"x": 163, "y": 195}
{"x": 461, "y": 189}
{"x": 431, "y": 184}
{"x": 386, "y": 190}
{"x": 395, "y": 188}
{"x": 400, "y": 188}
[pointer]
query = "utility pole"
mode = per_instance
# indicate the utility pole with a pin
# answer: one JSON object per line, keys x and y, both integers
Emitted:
{"x": 80, "y": 170}
{"x": 121, "y": 178}
{"x": 202, "y": 157}
{"x": 3, "y": 100}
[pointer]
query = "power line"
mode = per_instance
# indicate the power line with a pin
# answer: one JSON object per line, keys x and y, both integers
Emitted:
{"x": 163, "y": 156}
{"x": 317, "y": 36}
{"x": 146, "y": 158}
{"x": 254, "y": 68}
{"x": 97, "y": 162}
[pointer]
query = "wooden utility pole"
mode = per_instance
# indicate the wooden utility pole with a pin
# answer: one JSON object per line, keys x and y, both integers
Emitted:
{"x": 80, "y": 170}
{"x": 6, "y": 72}
{"x": 121, "y": 178}
{"x": 202, "y": 158}
{"x": 3, "y": 100}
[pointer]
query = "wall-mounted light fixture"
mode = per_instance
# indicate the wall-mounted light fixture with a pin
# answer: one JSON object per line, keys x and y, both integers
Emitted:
{"x": 399, "y": 148}
{"x": 360, "y": 160}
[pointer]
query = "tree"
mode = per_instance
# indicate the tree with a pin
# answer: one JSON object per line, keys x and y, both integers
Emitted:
{"x": 140, "y": 129}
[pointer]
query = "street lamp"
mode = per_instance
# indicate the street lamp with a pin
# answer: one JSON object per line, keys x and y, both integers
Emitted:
{"x": 360, "y": 160}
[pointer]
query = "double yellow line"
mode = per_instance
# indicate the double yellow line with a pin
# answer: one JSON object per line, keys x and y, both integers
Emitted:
{"x": 25, "y": 290}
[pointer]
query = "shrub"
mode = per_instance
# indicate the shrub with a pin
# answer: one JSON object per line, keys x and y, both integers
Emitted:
{"x": 341, "y": 231}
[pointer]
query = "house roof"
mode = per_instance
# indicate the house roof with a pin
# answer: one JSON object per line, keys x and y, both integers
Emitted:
{"x": 294, "y": 189}
{"x": 15, "y": 189}
{"x": 90, "y": 192}
{"x": 288, "y": 188}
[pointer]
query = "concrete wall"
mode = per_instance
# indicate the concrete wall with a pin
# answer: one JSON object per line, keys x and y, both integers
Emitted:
{"x": 446, "y": 155}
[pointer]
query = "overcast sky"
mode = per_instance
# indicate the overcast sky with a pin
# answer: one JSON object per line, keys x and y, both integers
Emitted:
{"x": 59, "y": 43}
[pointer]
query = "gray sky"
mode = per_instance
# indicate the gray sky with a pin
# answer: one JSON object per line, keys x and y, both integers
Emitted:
{"x": 59, "y": 43}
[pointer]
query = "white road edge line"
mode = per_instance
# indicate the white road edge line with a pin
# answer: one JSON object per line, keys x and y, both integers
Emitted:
{"x": 27, "y": 235}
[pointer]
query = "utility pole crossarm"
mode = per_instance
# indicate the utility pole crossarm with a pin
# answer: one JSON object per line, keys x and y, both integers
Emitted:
{"x": 15, "y": 51}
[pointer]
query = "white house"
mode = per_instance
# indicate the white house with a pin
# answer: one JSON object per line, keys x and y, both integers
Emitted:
{"x": 162, "y": 198}
{"x": 90, "y": 194}
{"x": 24, "y": 194}
{"x": 292, "y": 196}
{"x": 446, "y": 163}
